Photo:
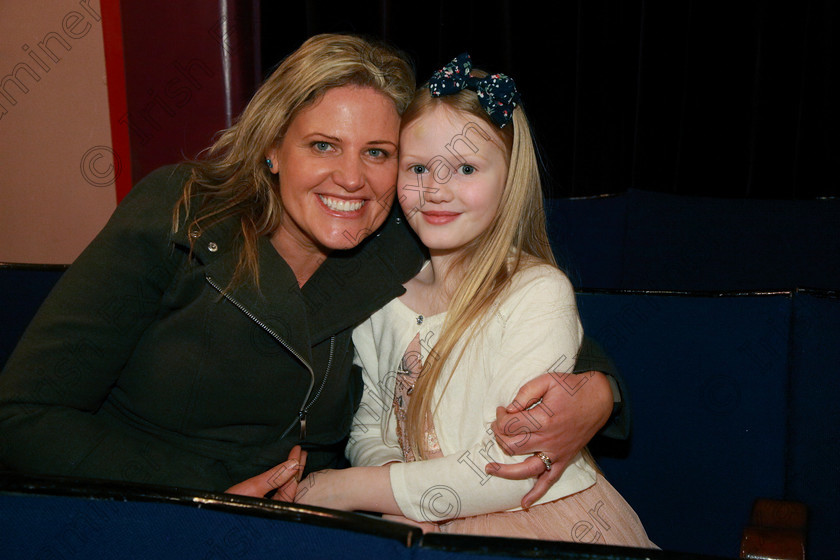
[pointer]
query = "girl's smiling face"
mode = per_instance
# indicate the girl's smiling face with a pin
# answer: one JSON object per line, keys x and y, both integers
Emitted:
{"x": 452, "y": 173}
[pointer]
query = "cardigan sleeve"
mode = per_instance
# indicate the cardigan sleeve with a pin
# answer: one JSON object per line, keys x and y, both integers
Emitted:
{"x": 373, "y": 437}
{"x": 540, "y": 331}
{"x": 71, "y": 355}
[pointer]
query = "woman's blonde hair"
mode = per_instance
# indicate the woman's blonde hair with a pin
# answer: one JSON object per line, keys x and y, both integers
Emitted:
{"x": 516, "y": 238}
{"x": 231, "y": 179}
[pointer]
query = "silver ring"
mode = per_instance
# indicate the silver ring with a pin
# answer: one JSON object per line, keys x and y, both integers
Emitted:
{"x": 544, "y": 458}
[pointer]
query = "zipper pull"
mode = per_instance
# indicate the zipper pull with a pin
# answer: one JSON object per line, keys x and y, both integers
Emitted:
{"x": 302, "y": 416}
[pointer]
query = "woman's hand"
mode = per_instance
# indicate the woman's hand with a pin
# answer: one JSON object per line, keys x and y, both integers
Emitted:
{"x": 568, "y": 410}
{"x": 284, "y": 478}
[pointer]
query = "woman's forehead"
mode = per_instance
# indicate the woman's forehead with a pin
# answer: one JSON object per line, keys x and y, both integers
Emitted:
{"x": 350, "y": 109}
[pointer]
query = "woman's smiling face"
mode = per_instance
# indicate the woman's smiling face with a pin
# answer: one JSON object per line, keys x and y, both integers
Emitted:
{"x": 337, "y": 164}
{"x": 452, "y": 173}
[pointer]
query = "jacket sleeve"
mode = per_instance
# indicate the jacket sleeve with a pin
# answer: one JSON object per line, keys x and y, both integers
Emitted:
{"x": 373, "y": 436}
{"x": 541, "y": 332}
{"x": 592, "y": 357}
{"x": 71, "y": 355}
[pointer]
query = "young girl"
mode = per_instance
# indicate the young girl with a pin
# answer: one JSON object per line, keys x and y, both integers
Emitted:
{"x": 488, "y": 312}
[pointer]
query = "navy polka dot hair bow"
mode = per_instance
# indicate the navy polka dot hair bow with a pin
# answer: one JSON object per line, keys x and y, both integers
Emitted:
{"x": 496, "y": 92}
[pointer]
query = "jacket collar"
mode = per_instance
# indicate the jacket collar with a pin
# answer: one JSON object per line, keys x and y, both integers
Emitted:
{"x": 350, "y": 285}
{"x": 346, "y": 289}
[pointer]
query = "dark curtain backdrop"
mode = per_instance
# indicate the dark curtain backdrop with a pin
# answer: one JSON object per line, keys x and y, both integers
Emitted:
{"x": 727, "y": 99}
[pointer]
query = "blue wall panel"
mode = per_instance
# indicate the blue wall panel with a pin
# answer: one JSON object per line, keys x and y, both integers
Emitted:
{"x": 708, "y": 380}
{"x": 814, "y": 453}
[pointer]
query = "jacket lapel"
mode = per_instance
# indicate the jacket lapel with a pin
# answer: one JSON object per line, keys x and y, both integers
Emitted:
{"x": 276, "y": 306}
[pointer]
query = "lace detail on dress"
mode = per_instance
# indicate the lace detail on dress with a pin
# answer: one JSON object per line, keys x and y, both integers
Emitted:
{"x": 410, "y": 367}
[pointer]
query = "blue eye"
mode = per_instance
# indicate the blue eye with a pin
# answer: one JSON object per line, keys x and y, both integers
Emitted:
{"x": 321, "y": 146}
{"x": 418, "y": 169}
{"x": 378, "y": 153}
{"x": 467, "y": 169}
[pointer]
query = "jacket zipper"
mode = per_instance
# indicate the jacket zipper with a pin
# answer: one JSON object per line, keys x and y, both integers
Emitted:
{"x": 303, "y": 408}
{"x": 302, "y": 414}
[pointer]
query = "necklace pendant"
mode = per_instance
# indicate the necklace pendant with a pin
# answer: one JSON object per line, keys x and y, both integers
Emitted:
{"x": 419, "y": 319}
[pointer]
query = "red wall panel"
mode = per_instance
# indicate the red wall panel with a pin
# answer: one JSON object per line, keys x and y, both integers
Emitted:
{"x": 188, "y": 67}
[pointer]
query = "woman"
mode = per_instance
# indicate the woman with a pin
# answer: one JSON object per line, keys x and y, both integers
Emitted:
{"x": 195, "y": 347}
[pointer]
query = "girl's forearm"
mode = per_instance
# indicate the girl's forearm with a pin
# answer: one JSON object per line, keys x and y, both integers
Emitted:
{"x": 357, "y": 488}
{"x": 372, "y": 489}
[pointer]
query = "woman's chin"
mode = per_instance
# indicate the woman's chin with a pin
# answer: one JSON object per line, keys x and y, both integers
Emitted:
{"x": 347, "y": 238}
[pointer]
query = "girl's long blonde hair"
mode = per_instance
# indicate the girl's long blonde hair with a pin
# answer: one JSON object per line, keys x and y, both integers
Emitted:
{"x": 231, "y": 178}
{"x": 516, "y": 238}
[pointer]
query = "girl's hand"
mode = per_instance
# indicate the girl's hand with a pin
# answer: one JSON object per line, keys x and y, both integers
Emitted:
{"x": 559, "y": 426}
{"x": 426, "y": 527}
{"x": 284, "y": 478}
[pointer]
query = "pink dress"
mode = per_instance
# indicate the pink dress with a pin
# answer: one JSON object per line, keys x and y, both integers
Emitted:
{"x": 597, "y": 515}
